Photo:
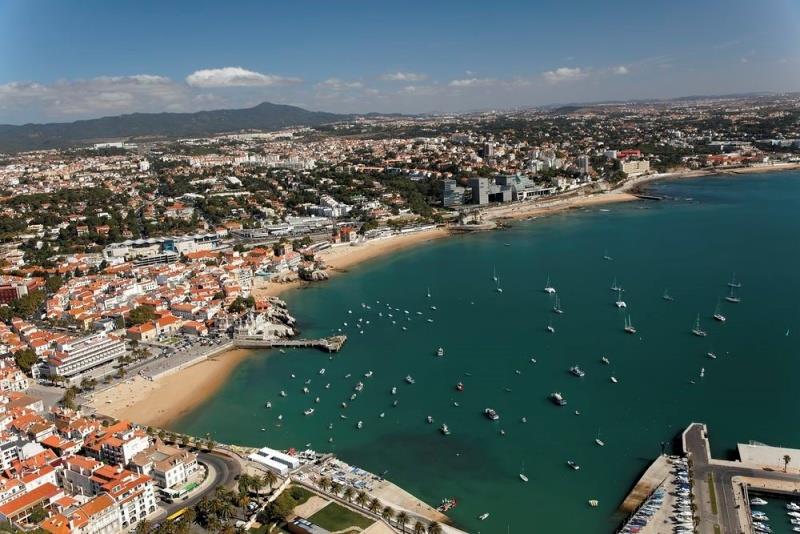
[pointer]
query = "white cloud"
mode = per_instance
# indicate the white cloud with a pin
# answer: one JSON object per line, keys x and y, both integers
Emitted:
{"x": 621, "y": 70}
{"x": 471, "y": 82}
{"x": 236, "y": 77}
{"x": 336, "y": 84}
{"x": 564, "y": 74}
{"x": 404, "y": 77}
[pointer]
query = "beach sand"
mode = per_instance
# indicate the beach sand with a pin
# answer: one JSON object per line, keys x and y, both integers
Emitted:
{"x": 161, "y": 401}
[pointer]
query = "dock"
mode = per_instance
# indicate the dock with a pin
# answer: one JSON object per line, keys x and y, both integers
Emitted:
{"x": 652, "y": 478}
{"x": 648, "y": 197}
{"x": 327, "y": 344}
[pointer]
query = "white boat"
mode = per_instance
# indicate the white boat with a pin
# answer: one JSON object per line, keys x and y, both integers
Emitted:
{"x": 577, "y": 371}
{"x": 732, "y": 297}
{"x": 702, "y": 372}
{"x": 429, "y": 292}
{"x": 440, "y": 351}
{"x": 614, "y": 286}
{"x": 353, "y": 396}
{"x": 761, "y": 502}
{"x": 494, "y": 274}
{"x": 483, "y": 516}
{"x": 382, "y": 415}
{"x": 550, "y": 328}
{"x": 558, "y": 399}
{"x": 394, "y": 390}
{"x": 718, "y": 314}
{"x": 305, "y": 389}
{"x": 429, "y": 419}
{"x": 409, "y": 380}
{"x": 548, "y": 288}
{"x": 322, "y": 371}
{"x": 360, "y": 424}
{"x": 614, "y": 379}
{"x": 309, "y": 411}
{"x": 491, "y": 414}
{"x": 498, "y": 288}
{"x": 666, "y": 295}
{"x": 523, "y": 477}
{"x": 573, "y": 465}
{"x": 283, "y": 393}
{"x": 605, "y": 360}
{"x": 368, "y": 374}
{"x": 557, "y": 306}
{"x": 699, "y": 332}
{"x": 733, "y": 282}
{"x": 444, "y": 430}
{"x": 606, "y": 256}
{"x": 316, "y": 400}
{"x": 599, "y": 441}
{"x": 629, "y": 325}
{"x": 620, "y": 303}
{"x": 711, "y": 355}
{"x": 268, "y": 405}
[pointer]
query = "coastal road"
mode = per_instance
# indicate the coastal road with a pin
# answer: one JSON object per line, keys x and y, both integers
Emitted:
{"x": 729, "y": 495}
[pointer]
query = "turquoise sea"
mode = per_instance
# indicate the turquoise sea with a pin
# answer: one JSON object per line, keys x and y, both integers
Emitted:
{"x": 690, "y": 244}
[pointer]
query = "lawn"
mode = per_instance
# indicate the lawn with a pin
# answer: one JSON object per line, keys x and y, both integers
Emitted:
{"x": 334, "y": 517}
{"x": 299, "y": 495}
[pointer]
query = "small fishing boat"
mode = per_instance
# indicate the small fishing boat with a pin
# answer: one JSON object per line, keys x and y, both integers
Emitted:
{"x": 573, "y": 465}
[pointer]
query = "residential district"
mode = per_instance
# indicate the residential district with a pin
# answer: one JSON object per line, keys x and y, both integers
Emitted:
{"x": 140, "y": 256}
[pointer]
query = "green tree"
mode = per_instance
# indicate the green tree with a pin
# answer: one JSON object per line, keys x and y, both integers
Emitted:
{"x": 402, "y": 520}
{"x": 388, "y": 513}
{"x": 25, "y": 359}
{"x": 434, "y": 528}
{"x": 141, "y": 315}
{"x": 419, "y": 528}
{"x": 68, "y": 400}
{"x": 374, "y": 505}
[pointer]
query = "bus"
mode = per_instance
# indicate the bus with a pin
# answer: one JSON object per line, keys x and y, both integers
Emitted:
{"x": 176, "y": 516}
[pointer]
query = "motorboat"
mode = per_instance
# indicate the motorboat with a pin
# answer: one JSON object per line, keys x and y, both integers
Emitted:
{"x": 558, "y": 399}
{"x": 309, "y": 411}
{"x": 322, "y": 371}
{"x": 429, "y": 419}
{"x": 460, "y": 386}
{"x": 360, "y": 424}
{"x": 577, "y": 371}
{"x": 409, "y": 380}
{"x": 444, "y": 429}
{"x": 268, "y": 405}
{"x": 440, "y": 351}
{"x": 368, "y": 374}
{"x": 483, "y": 516}
{"x": 491, "y": 414}
{"x": 573, "y": 465}
{"x": 394, "y": 390}
{"x": 283, "y": 393}
{"x": 605, "y": 360}
{"x": 614, "y": 379}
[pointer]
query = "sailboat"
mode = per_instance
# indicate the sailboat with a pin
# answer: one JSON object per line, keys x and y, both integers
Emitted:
{"x": 620, "y": 303}
{"x": 718, "y": 315}
{"x": 599, "y": 441}
{"x": 614, "y": 286}
{"x": 732, "y": 297}
{"x": 606, "y": 256}
{"x": 429, "y": 292}
{"x": 548, "y": 288}
{"x": 629, "y": 325}
{"x": 699, "y": 332}
{"x": 557, "y": 306}
{"x": 733, "y": 282}
{"x": 494, "y": 274}
{"x": 498, "y": 289}
{"x": 522, "y": 473}
{"x": 666, "y": 295}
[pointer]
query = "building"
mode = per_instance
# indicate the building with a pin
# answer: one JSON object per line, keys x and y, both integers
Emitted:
{"x": 634, "y": 167}
{"x": 169, "y": 466}
{"x": 480, "y": 190}
{"x": 582, "y": 163}
{"x": 303, "y": 526}
{"x": 452, "y": 194}
{"x": 98, "y": 516}
{"x": 74, "y": 357}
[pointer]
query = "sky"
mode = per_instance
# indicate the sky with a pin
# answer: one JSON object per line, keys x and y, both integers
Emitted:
{"x": 62, "y": 60}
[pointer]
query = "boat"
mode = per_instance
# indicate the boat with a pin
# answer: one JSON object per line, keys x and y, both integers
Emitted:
{"x": 594, "y": 503}
{"x": 614, "y": 286}
{"x": 456, "y": 404}
{"x": 440, "y": 351}
{"x": 409, "y": 380}
{"x": 699, "y": 332}
{"x": 629, "y": 325}
{"x": 573, "y": 465}
{"x": 328, "y": 386}
{"x": 732, "y": 297}
{"x": 599, "y": 441}
{"x": 460, "y": 386}
{"x": 558, "y": 399}
{"x": 620, "y": 303}
{"x": 429, "y": 419}
{"x": 733, "y": 282}
{"x": 718, "y": 315}
{"x": 605, "y": 360}
{"x": 498, "y": 288}
{"x": 322, "y": 371}
{"x": 606, "y": 256}
{"x": 557, "y": 306}
{"x": 550, "y": 328}
{"x": 523, "y": 477}
{"x": 353, "y": 396}
{"x": 702, "y": 372}
{"x": 494, "y": 274}
{"x": 447, "y": 504}
{"x": 360, "y": 424}
{"x": 342, "y": 416}
{"x": 429, "y": 292}
{"x": 348, "y": 375}
{"x": 757, "y": 501}
{"x": 577, "y": 371}
{"x": 548, "y": 288}
{"x": 444, "y": 430}
{"x": 283, "y": 393}
{"x": 791, "y": 506}
{"x": 394, "y": 390}
{"x": 359, "y": 386}
{"x": 309, "y": 411}
{"x": 382, "y": 415}
{"x": 491, "y": 414}
{"x": 268, "y": 405}
{"x": 666, "y": 295}
{"x": 711, "y": 355}
{"x": 483, "y": 516}
{"x": 614, "y": 379}
{"x": 344, "y": 405}
{"x": 368, "y": 374}
{"x": 316, "y": 400}
{"x": 524, "y": 419}
{"x": 394, "y": 404}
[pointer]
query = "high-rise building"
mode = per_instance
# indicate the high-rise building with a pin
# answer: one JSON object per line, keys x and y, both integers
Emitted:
{"x": 452, "y": 194}
{"x": 583, "y": 164}
{"x": 480, "y": 190}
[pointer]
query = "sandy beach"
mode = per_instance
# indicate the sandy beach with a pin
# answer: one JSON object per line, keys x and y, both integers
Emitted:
{"x": 161, "y": 401}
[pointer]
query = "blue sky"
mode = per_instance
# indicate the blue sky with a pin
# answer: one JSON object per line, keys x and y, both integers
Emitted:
{"x": 62, "y": 60}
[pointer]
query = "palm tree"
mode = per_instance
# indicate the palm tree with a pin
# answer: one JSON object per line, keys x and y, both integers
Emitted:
{"x": 348, "y": 493}
{"x": 361, "y": 499}
{"x": 419, "y": 528}
{"x": 388, "y": 513}
{"x": 786, "y": 460}
{"x": 269, "y": 479}
{"x": 374, "y": 505}
{"x": 143, "y": 527}
{"x": 325, "y": 484}
{"x": 402, "y": 519}
{"x": 434, "y": 528}
{"x": 335, "y": 487}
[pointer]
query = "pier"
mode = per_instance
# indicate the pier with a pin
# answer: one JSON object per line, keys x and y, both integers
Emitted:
{"x": 328, "y": 344}
{"x": 652, "y": 478}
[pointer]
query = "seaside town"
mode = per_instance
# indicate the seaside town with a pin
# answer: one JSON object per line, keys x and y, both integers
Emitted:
{"x": 127, "y": 261}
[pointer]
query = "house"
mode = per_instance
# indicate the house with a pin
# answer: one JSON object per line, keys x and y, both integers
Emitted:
{"x": 169, "y": 466}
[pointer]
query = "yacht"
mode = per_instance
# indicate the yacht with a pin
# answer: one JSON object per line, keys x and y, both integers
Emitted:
{"x": 283, "y": 393}
{"x": 761, "y": 502}
{"x": 550, "y": 328}
{"x": 699, "y": 332}
{"x": 548, "y": 288}
{"x": 711, "y": 355}
{"x": 429, "y": 292}
{"x": 394, "y": 390}
{"x": 491, "y": 414}
{"x": 666, "y": 295}
{"x": 614, "y": 286}
{"x": 732, "y": 297}
{"x": 620, "y": 303}
{"x": 718, "y": 315}
{"x": 309, "y": 411}
{"x": 483, "y": 516}
{"x": 733, "y": 282}
{"x": 322, "y": 371}
{"x": 494, "y": 274}
{"x": 444, "y": 430}
{"x": 360, "y": 424}
{"x": 460, "y": 386}
{"x": 429, "y": 419}
{"x": 614, "y": 379}
{"x": 577, "y": 371}
{"x": 791, "y": 506}
{"x": 557, "y": 306}
{"x": 440, "y": 351}
{"x": 409, "y": 380}
{"x": 629, "y": 326}
{"x": 605, "y": 360}
{"x": 498, "y": 288}
{"x": 573, "y": 465}
{"x": 558, "y": 399}
{"x": 359, "y": 387}
{"x": 268, "y": 405}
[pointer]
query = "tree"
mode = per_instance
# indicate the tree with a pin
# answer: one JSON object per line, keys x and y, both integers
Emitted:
{"x": 143, "y": 527}
{"x": 388, "y": 513}
{"x": 419, "y": 528}
{"x": 402, "y": 519}
{"x": 374, "y": 505}
{"x": 348, "y": 493}
{"x": 68, "y": 400}
{"x": 325, "y": 484}
{"x": 141, "y": 315}
{"x": 434, "y": 528}
{"x": 25, "y": 359}
{"x": 335, "y": 487}
{"x": 269, "y": 479}
{"x": 361, "y": 499}
{"x": 786, "y": 460}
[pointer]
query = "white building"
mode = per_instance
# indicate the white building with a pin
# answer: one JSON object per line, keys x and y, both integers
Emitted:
{"x": 74, "y": 357}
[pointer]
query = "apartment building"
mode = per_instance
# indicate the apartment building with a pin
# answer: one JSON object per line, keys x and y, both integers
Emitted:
{"x": 74, "y": 357}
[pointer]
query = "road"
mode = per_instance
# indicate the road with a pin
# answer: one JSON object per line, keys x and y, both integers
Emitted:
{"x": 729, "y": 496}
